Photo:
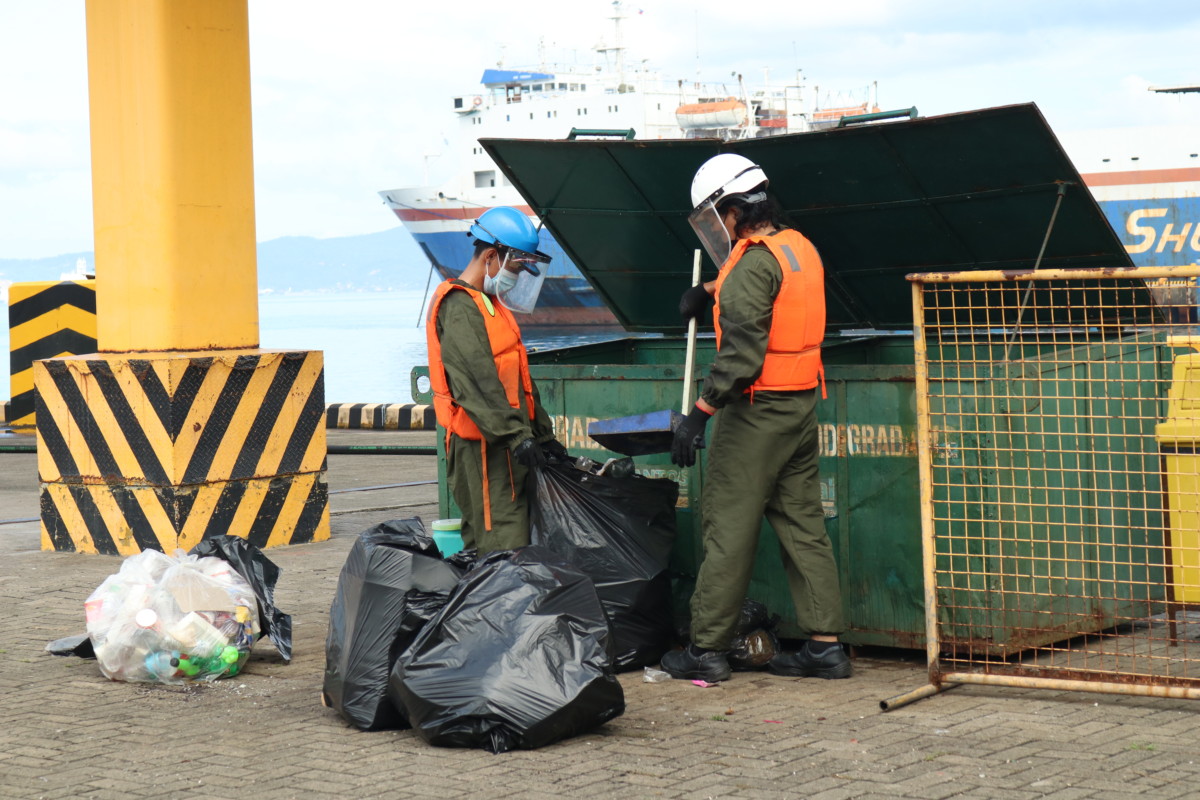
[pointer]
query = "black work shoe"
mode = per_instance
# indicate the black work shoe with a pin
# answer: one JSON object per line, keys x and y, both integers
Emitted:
{"x": 704, "y": 665}
{"x": 833, "y": 663}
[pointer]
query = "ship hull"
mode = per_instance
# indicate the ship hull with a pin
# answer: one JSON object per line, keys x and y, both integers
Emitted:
{"x": 567, "y": 299}
{"x": 1155, "y": 213}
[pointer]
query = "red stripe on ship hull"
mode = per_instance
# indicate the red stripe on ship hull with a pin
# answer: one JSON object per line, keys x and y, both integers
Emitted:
{"x": 1132, "y": 177}
{"x": 437, "y": 214}
{"x": 569, "y": 317}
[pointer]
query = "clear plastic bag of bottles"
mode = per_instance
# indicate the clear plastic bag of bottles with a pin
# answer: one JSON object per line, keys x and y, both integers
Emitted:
{"x": 164, "y": 619}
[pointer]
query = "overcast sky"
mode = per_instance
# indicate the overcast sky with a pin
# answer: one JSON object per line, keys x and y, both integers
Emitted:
{"x": 349, "y": 95}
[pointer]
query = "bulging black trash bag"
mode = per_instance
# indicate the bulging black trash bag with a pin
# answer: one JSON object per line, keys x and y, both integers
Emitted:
{"x": 754, "y": 640}
{"x": 518, "y": 658}
{"x": 393, "y": 582}
{"x": 619, "y": 532}
{"x": 262, "y": 575}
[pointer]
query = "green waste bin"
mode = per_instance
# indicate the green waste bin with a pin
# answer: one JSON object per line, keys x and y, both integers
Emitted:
{"x": 868, "y": 466}
{"x": 958, "y": 192}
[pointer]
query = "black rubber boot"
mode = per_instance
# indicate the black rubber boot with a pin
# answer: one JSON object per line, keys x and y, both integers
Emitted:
{"x": 697, "y": 664}
{"x": 832, "y": 663}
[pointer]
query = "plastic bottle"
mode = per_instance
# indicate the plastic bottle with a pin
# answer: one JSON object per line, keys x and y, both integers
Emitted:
{"x": 188, "y": 667}
{"x": 164, "y": 665}
{"x": 198, "y": 637}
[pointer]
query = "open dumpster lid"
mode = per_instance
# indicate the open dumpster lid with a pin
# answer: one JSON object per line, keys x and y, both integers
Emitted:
{"x": 967, "y": 191}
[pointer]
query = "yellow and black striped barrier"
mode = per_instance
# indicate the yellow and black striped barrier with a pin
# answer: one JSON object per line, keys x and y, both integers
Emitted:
{"x": 165, "y": 449}
{"x": 380, "y": 416}
{"x": 45, "y": 320}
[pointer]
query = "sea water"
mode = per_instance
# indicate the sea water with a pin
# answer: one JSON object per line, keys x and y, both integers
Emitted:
{"x": 371, "y": 340}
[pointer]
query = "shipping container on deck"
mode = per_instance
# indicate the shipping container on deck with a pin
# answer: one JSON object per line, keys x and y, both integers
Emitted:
{"x": 967, "y": 191}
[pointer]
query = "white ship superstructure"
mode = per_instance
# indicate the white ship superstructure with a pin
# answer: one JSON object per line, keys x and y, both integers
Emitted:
{"x": 553, "y": 99}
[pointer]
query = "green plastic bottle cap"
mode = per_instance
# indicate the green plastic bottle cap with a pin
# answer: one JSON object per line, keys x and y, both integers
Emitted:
{"x": 447, "y": 524}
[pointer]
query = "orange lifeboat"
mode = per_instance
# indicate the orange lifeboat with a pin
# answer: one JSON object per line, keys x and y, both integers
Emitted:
{"x": 727, "y": 113}
{"x": 835, "y": 114}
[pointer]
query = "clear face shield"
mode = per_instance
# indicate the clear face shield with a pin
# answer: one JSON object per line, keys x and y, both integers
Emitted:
{"x": 522, "y": 282}
{"x": 706, "y": 222}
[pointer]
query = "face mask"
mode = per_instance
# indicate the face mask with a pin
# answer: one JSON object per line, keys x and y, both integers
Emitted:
{"x": 503, "y": 281}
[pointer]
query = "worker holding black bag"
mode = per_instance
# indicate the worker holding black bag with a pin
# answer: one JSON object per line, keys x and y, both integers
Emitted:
{"x": 496, "y": 428}
{"x": 770, "y": 322}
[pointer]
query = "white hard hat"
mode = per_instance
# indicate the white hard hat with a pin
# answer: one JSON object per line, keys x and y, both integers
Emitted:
{"x": 723, "y": 175}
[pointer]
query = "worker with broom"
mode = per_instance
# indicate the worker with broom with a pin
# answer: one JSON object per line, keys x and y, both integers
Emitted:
{"x": 762, "y": 388}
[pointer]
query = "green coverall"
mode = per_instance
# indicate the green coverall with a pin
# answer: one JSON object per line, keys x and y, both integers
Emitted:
{"x": 762, "y": 458}
{"x": 475, "y": 385}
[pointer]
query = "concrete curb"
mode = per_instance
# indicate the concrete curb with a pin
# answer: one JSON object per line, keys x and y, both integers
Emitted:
{"x": 380, "y": 416}
{"x": 358, "y": 416}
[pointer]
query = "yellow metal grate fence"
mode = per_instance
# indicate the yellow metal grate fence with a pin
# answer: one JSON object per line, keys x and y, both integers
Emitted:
{"x": 1059, "y": 437}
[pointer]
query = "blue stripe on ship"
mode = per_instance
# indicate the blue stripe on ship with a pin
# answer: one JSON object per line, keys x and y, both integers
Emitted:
{"x": 565, "y": 285}
{"x": 1157, "y": 232}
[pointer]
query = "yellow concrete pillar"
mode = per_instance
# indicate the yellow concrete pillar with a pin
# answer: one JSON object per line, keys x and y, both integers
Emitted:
{"x": 179, "y": 428}
{"x": 172, "y": 174}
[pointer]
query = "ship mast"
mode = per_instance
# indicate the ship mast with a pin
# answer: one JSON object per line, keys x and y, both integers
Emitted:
{"x": 616, "y": 47}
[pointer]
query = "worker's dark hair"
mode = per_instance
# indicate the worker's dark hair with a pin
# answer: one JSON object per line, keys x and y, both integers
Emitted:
{"x": 750, "y": 216}
{"x": 481, "y": 245}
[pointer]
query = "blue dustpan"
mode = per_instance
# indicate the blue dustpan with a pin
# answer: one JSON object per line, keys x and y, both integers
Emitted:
{"x": 637, "y": 435}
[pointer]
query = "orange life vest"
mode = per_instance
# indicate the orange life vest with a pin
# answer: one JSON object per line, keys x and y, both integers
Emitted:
{"x": 512, "y": 362}
{"x": 512, "y": 365}
{"x": 793, "y": 359}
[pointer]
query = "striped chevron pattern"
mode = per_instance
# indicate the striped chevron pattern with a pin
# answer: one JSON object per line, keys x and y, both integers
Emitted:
{"x": 166, "y": 449}
{"x": 45, "y": 320}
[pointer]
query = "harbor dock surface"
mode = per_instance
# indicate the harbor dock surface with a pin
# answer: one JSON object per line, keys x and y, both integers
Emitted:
{"x": 67, "y": 732}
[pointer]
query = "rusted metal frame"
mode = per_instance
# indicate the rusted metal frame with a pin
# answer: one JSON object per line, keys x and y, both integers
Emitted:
{"x": 925, "y": 481}
{"x": 1168, "y": 562}
{"x": 937, "y": 682}
{"x": 928, "y": 690}
{"x": 1022, "y": 671}
{"x": 1062, "y": 684}
{"x": 991, "y": 276}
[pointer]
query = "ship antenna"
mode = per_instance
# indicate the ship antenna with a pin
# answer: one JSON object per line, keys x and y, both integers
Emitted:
{"x": 617, "y": 46}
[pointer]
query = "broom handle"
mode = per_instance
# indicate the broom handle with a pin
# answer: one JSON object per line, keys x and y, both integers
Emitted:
{"x": 691, "y": 341}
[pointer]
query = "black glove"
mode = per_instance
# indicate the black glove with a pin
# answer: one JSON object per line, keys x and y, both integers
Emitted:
{"x": 529, "y": 454}
{"x": 689, "y": 437}
{"x": 694, "y": 302}
{"x": 554, "y": 449}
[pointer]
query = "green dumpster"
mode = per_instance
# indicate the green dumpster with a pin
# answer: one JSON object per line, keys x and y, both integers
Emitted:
{"x": 962, "y": 191}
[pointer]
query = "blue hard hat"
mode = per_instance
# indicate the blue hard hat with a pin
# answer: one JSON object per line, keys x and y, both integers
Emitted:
{"x": 507, "y": 227}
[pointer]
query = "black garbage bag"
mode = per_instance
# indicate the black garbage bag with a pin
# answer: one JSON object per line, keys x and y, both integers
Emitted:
{"x": 464, "y": 560}
{"x": 262, "y": 575}
{"x": 754, "y": 640}
{"x": 78, "y": 645}
{"x": 518, "y": 658}
{"x": 619, "y": 532}
{"x": 754, "y": 615}
{"x": 394, "y": 581}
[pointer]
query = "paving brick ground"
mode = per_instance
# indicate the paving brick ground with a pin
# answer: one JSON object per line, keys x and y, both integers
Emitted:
{"x": 66, "y": 732}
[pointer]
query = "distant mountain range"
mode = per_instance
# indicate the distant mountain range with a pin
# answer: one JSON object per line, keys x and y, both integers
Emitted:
{"x": 388, "y": 260}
